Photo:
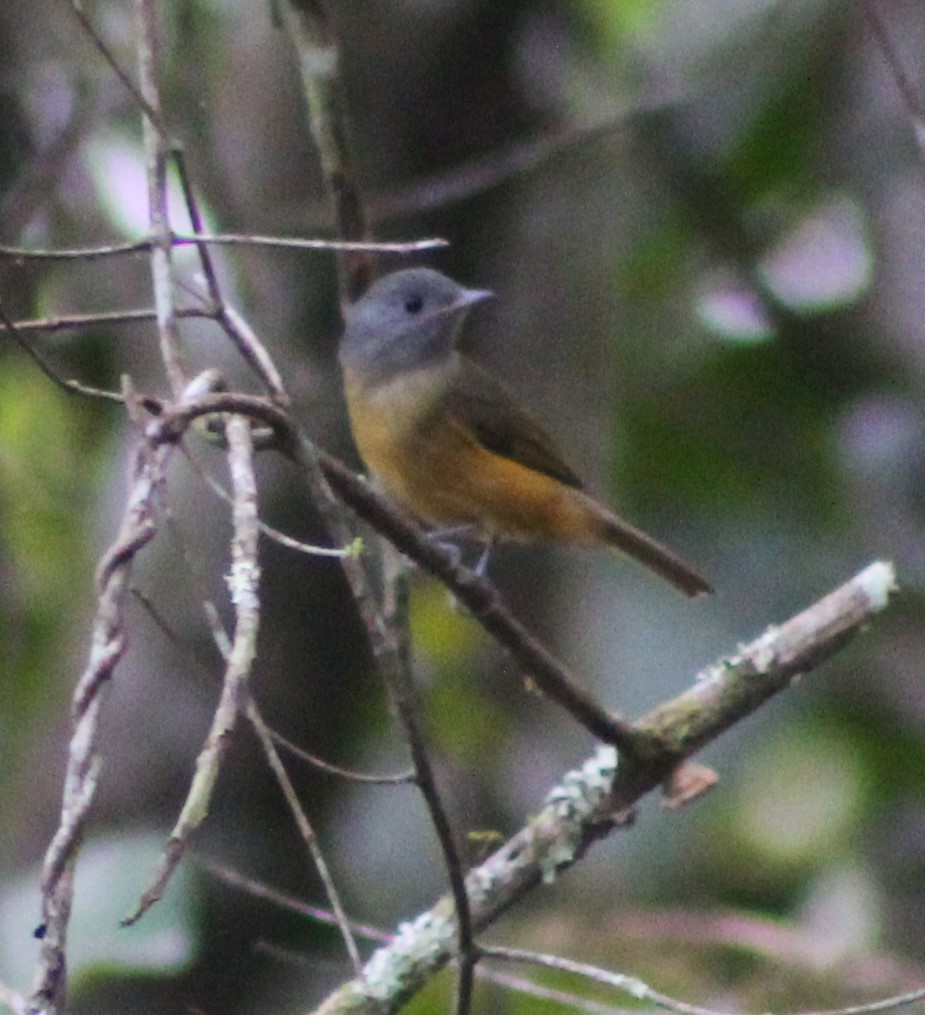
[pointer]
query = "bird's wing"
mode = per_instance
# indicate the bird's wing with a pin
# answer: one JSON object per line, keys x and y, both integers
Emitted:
{"x": 490, "y": 409}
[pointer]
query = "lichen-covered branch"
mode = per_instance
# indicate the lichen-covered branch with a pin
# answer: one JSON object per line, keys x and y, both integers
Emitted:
{"x": 595, "y": 799}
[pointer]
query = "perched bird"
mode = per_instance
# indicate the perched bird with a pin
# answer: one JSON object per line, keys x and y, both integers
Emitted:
{"x": 451, "y": 443}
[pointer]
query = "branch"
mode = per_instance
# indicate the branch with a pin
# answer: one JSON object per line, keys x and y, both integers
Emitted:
{"x": 266, "y": 737}
{"x": 244, "y": 584}
{"x": 219, "y": 239}
{"x": 309, "y": 30}
{"x": 156, "y": 151}
{"x": 594, "y": 800}
{"x": 476, "y": 593}
{"x": 107, "y": 646}
{"x": 641, "y": 991}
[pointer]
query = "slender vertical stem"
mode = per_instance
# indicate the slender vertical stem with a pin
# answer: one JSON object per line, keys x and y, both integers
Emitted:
{"x": 156, "y": 160}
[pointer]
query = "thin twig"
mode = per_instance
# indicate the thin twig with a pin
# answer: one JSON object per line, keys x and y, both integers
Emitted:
{"x": 267, "y": 737}
{"x": 885, "y": 1004}
{"x": 151, "y": 111}
{"x": 571, "y": 1001}
{"x": 290, "y": 903}
{"x": 156, "y": 150}
{"x": 72, "y": 387}
{"x": 300, "y": 243}
{"x": 309, "y": 549}
{"x": 243, "y": 583}
{"x": 69, "y": 322}
{"x": 307, "y": 833}
{"x": 195, "y": 217}
{"x": 260, "y": 890}
{"x": 631, "y": 985}
{"x": 218, "y": 239}
{"x": 309, "y": 30}
{"x": 486, "y": 172}
{"x": 253, "y": 351}
{"x": 399, "y": 779}
{"x": 643, "y": 992}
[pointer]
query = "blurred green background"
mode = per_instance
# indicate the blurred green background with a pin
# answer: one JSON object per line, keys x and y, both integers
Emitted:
{"x": 705, "y": 225}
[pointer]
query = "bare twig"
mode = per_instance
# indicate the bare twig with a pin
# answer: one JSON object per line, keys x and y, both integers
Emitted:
{"x": 599, "y": 797}
{"x": 260, "y": 890}
{"x": 299, "y": 243}
{"x": 399, "y": 779}
{"x": 316, "y": 47}
{"x": 156, "y": 152}
{"x": 571, "y": 1001}
{"x": 388, "y": 653}
{"x": 885, "y": 1004}
{"x": 385, "y": 646}
{"x": 137, "y": 529}
{"x": 486, "y": 172}
{"x": 70, "y": 322}
{"x": 309, "y": 549}
{"x": 217, "y": 239}
{"x": 205, "y": 255}
{"x": 72, "y": 387}
{"x": 151, "y": 111}
{"x": 641, "y": 991}
{"x": 267, "y": 738}
{"x": 243, "y": 583}
{"x": 307, "y": 833}
{"x": 252, "y": 350}
{"x": 631, "y": 985}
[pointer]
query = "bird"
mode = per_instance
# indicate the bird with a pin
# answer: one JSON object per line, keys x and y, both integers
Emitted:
{"x": 452, "y": 444}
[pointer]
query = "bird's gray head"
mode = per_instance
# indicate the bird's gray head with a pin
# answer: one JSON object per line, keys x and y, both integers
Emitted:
{"x": 404, "y": 321}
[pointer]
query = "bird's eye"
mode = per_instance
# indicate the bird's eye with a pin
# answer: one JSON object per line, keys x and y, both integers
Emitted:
{"x": 414, "y": 304}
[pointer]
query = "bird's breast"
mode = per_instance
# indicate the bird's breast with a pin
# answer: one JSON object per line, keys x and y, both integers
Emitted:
{"x": 394, "y": 426}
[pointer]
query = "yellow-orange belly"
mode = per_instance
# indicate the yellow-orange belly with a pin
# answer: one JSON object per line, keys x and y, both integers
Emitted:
{"x": 436, "y": 469}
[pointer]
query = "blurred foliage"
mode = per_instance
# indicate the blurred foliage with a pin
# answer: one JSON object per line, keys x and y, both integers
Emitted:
{"x": 709, "y": 287}
{"x": 50, "y": 452}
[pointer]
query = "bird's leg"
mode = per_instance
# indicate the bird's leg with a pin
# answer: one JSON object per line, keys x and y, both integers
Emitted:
{"x": 447, "y": 538}
{"x": 482, "y": 566}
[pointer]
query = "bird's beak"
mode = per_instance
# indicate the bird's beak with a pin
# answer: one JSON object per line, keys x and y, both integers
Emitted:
{"x": 470, "y": 296}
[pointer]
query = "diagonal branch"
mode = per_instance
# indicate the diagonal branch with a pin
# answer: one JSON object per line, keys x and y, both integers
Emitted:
{"x": 593, "y": 801}
{"x": 476, "y": 593}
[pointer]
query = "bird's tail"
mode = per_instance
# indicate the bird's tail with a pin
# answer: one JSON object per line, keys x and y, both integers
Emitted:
{"x": 651, "y": 554}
